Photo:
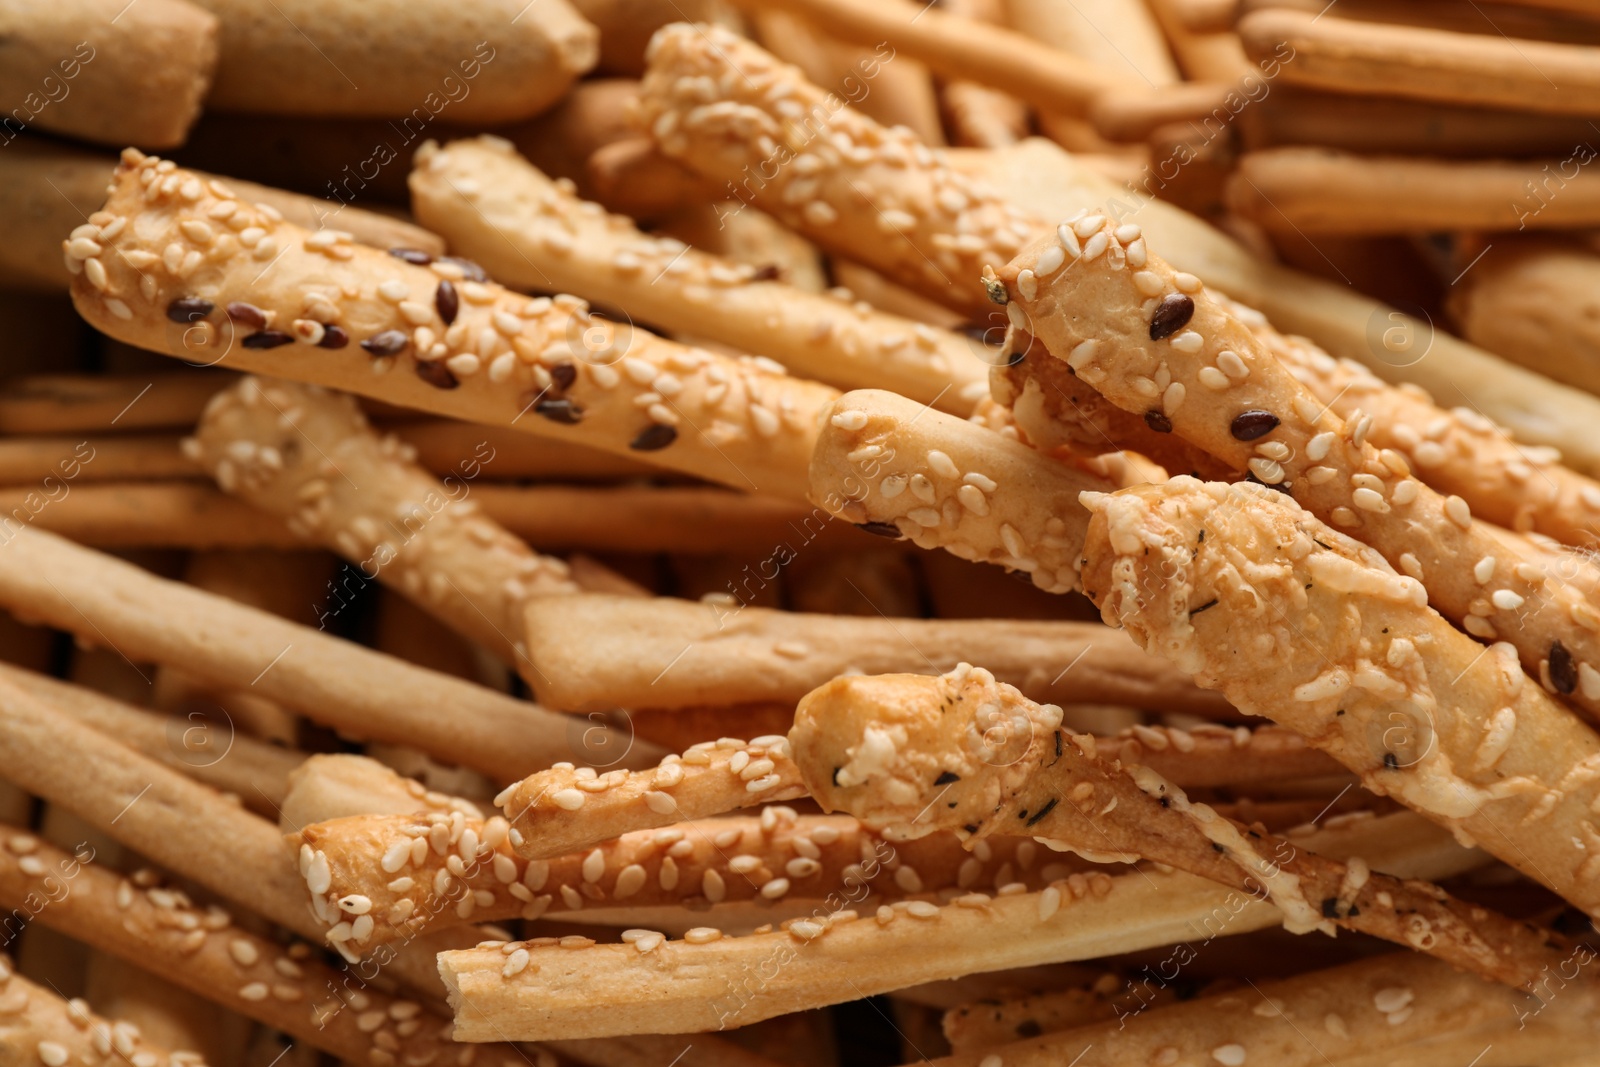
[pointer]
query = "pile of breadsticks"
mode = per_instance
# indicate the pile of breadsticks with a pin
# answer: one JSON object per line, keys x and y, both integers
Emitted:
{"x": 793, "y": 533}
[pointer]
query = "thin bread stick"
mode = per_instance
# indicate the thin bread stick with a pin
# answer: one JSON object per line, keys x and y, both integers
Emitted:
{"x": 1215, "y": 755}
{"x": 1207, "y": 16}
{"x": 900, "y": 470}
{"x": 1135, "y": 116}
{"x": 596, "y": 652}
{"x": 911, "y": 754}
{"x": 626, "y": 25}
{"x": 1426, "y": 64}
{"x": 1160, "y": 344}
{"x": 978, "y": 116}
{"x": 425, "y": 335}
{"x": 1319, "y": 190}
{"x": 329, "y": 680}
{"x": 1480, "y": 749}
{"x": 495, "y": 207}
{"x": 38, "y": 1023}
{"x": 701, "y": 983}
{"x": 335, "y": 785}
{"x": 82, "y": 403}
{"x": 629, "y": 176}
{"x": 1215, "y": 56}
{"x": 78, "y": 68}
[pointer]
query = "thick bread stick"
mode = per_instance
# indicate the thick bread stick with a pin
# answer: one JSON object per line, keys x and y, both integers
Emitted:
{"x": 1455, "y": 68}
{"x": 911, "y": 754}
{"x": 97, "y": 70}
{"x": 182, "y": 267}
{"x": 309, "y": 456}
{"x": 496, "y": 61}
{"x": 363, "y": 693}
{"x": 900, "y": 470}
{"x": 597, "y": 652}
{"x": 38, "y": 1025}
{"x": 1320, "y": 190}
{"x": 528, "y": 231}
{"x": 202, "y": 950}
{"x": 1315, "y": 630}
{"x": 1156, "y": 342}
{"x": 626, "y": 25}
{"x": 832, "y": 956}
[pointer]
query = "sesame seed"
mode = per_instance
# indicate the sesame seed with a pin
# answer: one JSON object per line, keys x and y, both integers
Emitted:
{"x": 255, "y": 991}
{"x": 922, "y": 909}
{"x": 1391, "y": 999}
{"x": 1088, "y": 225}
{"x": 1231, "y": 1055}
{"x": 1095, "y": 245}
{"x": 567, "y": 800}
{"x": 702, "y": 935}
{"x": 1186, "y": 283}
{"x": 1369, "y": 500}
{"x": 1457, "y": 511}
{"x": 1229, "y": 363}
{"x": 52, "y": 1054}
{"x": 1188, "y": 342}
{"x": 394, "y": 290}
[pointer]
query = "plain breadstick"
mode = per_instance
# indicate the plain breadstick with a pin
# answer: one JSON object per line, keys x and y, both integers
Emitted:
{"x": 36, "y": 1022}
{"x": 900, "y": 470}
{"x": 71, "y": 403}
{"x": 1157, "y": 342}
{"x": 363, "y": 693}
{"x": 96, "y": 70}
{"x": 494, "y": 62}
{"x": 626, "y": 25}
{"x": 420, "y": 332}
{"x": 1419, "y": 710}
{"x": 1202, "y": 56}
{"x": 978, "y": 116}
{"x": 1319, "y": 190}
{"x": 527, "y": 230}
{"x": 833, "y": 955}
{"x": 1425, "y": 64}
{"x": 596, "y": 652}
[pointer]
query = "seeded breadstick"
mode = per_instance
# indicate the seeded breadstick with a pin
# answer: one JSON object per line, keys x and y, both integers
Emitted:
{"x": 309, "y": 456}
{"x": 1214, "y": 755}
{"x": 78, "y": 67}
{"x": 1457, "y": 451}
{"x": 1322, "y": 635}
{"x": 38, "y": 1025}
{"x": 900, "y": 470}
{"x": 595, "y": 652}
{"x": 335, "y": 785}
{"x": 202, "y": 950}
{"x": 983, "y": 1024}
{"x": 530, "y": 232}
{"x": 1454, "y": 68}
{"x": 424, "y": 334}
{"x": 921, "y": 223}
{"x": 1226, "y": 393}
{"x": 709, "y": 779}
{"x": 208, "y": 751}
{"x": 707, "y": 981}
{"x": 335, "y": 682}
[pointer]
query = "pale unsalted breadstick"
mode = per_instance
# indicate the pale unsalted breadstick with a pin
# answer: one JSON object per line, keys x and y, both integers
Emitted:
{"x": 901, "y": 470}
{"x": 329, "y": 680}
{"x": 38, "y": 1025}
{"x": 597, "y": 652}
{"x": 1157, "y": 342}
{"x": 830, "y": 956}
{"x": 104, "y": 72}
{"x": 1319, "y": 633}
{"x": 185, "y": 271}
{"x": 493, "y": 62}
{"x": 530, "y": 232}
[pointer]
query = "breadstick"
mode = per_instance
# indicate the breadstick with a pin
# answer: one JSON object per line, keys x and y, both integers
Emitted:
{"x": 597, "y": 652}
{"x": 255, "y": 772}
{"x": 81, "y": 68}
{"x": 202, "y": 950}
{"x": 1136, "y": 116}
{"x": 493, "y": 206}
{"x": 631, "y": 177}
{"x": 1207, "y": 16}
{"x": 978, "y": 116}
{"x": 753, "y": 239}
{"x": 65, "y": 403}
{"x": 1215, "y": 56}
{"x": 30, "y": 460}
{"x": 333, "y": 786}
{"x": 702, "y": 982}
{"x": 1425, "y": 64}
{"x": 946, "y": 494}
{"x": 1193, "y": 366}
{"x": 442, "y": 445}
{"x": 165, "y": 1014}
{"x": 1468, "y": 741}
{"x": 1317, "y": 190}
{"x": 488, "y": 354}
{"x": 326, "y": 679}
{"x": 486, "y": 65}
{"x": 37, "y": 1023}
{"x": 1528, "y": 300}
{"x": 992, "y": 1021}
{"x": 1213, "y": 755}
{"x": 626, "y": 25}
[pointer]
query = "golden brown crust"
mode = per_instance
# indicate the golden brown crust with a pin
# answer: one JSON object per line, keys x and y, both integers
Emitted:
{"x": 37, "y": 1025}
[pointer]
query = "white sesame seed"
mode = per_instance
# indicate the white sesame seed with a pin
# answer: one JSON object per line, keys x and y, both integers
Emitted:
{"x": 1088, "y": 225}
{"x": 197, "y": 231}
{"x": 922, "y": 909}
{"x": 1095, "y": 245}
{"x": 702, "y": 935}
{"x": 850, "y": 420}
{"x": 52, "y": 1054}
{"x": 1027, "y": 284}
{"x": 1188, "y": 342}
{"x": 1506, "y": 600}
{"x": 567, "y": 799}
{"x": 1229, "y": 1055}
{"x": 1369, "y": 500}
{"x": 1049, "y": 261}
{"x": 1186, "y": 283}
{"x": 1457, "y": 511}
{"x": 1392, "y": 999}
{"x": 394, "y": 290}
{"x": 1229, "y": 363}
{"x": 254, "y": 991}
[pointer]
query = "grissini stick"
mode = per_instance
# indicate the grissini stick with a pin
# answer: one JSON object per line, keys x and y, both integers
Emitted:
{"x": 329, "y": 680}
{"x": 333, "y": 785}
{"x": 596, "y": 652}
{"x": 838, "y": 953}
{"x": 1215, "y": 56}
{"x": 1158, "y": 342}
{"x": 626, "y": 25}
{"x": 203, "y": 950}
{"x": 495, "y": 62}
{"x": 38, "y": 1024}
{"x": 912, "y": 754}
{"x": 69, "y": 403}
{"x": 978, "y": 116}
{"x": 1321, "y": 190}
{"x": 898, "y": 469}
{"x": 191, "y": 271}
{"x": 1426, "y": 64}
{"x": 1419, "y": 710}
{"x": 530, "y": 232}
{"x": 91, "y": 69}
